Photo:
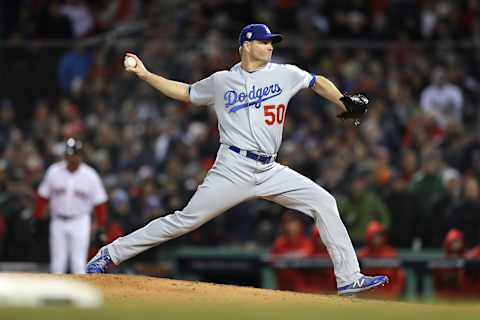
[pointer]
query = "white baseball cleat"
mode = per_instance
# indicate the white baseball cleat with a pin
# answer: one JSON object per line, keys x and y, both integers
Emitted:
{"x": 363, "y": 284}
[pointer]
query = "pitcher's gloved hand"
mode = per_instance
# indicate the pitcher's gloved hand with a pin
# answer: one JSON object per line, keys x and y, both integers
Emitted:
{"x": 356, "y": 107}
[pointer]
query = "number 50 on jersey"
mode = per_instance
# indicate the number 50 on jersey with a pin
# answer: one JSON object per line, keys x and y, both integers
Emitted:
{"x": 274, "y": 113}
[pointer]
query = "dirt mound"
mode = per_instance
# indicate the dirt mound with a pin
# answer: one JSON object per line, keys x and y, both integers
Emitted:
{"x": 121, "y": 287}
{"x": 128, "y": 288}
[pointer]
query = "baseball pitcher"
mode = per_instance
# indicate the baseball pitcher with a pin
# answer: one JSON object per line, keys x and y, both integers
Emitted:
{"x": 250, "y": 101}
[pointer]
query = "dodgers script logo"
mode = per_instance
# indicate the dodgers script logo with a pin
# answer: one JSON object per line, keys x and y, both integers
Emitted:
{"x": 234, "y": 100}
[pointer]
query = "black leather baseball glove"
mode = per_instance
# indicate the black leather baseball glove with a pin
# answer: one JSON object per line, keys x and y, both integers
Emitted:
{"x": 356, "y": 107}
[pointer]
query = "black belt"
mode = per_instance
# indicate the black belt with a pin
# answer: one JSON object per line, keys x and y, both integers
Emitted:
{"x": 252, "y": 155}
{"x": 65, "y": 217}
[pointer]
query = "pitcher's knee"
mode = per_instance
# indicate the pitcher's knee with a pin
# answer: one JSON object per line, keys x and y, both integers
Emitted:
{"x": 326, "y": 204}
{"x": 331, "y": 201}
{"x": 181, "y": 222}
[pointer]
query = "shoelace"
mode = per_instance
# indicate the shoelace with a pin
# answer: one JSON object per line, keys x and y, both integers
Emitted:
{"x": 101, "y": 262}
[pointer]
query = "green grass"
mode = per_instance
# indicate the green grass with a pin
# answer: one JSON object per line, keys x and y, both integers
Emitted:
{"x": 356, "y": 309}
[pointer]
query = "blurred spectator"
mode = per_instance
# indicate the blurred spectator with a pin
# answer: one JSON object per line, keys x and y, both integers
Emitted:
{"x": 472, "y": 275}
{"x": 408, "y": 165}
{"x": 291, "y": 243}
{"x": 470, "y": 157}
{"x": 3, "y": 231}
{"x": 450, "y": 198}
{"x": 403, "y": 207}
{"x": 376, "y": 246}
{"x": 73, "y": 68}
{"x": 473, "y": 253}
{"x": 112, "y": 231}
{"x": 80, "y": 16}
{"x": 465, "y": 215}
{"x": 120, "y": 210}
{"x": 427, "y": 186}
{"x": 442, "y": 100}
{"x": 361, "y": 207}
{"x": 3, "y": 203}
{"x": 7, "y": 118}
{"x": 50, "y": 23}
{"x": 151, "y": 206}
{"x": 118, "y": 12}
{"x": 449, "y": 282}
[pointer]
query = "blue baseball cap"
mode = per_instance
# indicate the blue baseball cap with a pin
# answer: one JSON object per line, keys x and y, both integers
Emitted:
{"x": 258, "y": 31}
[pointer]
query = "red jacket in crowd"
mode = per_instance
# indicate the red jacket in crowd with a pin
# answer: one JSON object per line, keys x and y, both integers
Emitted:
{"x": 292, "y": 242}
{"x": 473, "y": 253}
{"x": 472, "y": 277}
{"x": 449, "y": 283}
{"x": 376, "y": 246}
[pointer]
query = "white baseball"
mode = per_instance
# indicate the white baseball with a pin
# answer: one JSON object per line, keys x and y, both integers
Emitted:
{"x": 129, "y": 62}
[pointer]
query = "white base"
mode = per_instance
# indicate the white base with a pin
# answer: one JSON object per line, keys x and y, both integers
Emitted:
{"x": 27, "y": 290}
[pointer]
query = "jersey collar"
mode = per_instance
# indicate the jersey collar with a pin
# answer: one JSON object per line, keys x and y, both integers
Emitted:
{"x": 238, "y": 67}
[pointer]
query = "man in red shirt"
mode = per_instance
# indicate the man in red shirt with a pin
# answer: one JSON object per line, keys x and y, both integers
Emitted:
{"x": 473, "y": 253}
{"x": 376, "y": 246}
{"x": 449, "y": 282}
{"x": 472, "y": 277}
{"x": 292, "y": 242}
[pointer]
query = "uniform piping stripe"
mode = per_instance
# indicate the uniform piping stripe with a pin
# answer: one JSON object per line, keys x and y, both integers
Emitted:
{"x": 312, "y": 82}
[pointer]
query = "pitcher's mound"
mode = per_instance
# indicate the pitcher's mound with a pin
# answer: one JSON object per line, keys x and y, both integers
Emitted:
{"x": 129, "y": 288}
{"x": 117, "y": 288}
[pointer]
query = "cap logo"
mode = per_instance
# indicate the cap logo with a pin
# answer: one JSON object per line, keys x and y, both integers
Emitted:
{"x": 70, "y": 142}
{"x": 249, "y": 35}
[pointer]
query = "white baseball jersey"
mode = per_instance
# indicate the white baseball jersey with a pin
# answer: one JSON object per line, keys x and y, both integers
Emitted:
{"x": 72, "y": 193}
{"x": 251, "y": 106}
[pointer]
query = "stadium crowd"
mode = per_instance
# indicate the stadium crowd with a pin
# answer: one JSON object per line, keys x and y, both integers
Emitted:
{"x": 413, "y": 164}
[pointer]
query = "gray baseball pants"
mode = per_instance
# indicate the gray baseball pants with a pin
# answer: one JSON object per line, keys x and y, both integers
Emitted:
{"x": 233, "y": 179}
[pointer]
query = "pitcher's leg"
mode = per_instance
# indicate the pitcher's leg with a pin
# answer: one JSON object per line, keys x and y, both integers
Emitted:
{"x": 215, "y": 195}
{"x": 292, "y": 190}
